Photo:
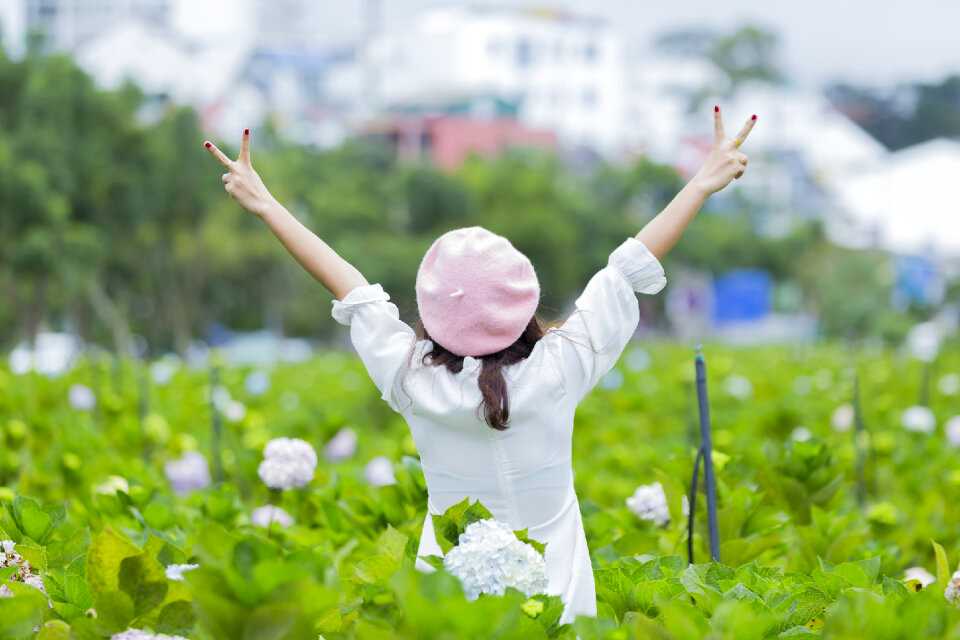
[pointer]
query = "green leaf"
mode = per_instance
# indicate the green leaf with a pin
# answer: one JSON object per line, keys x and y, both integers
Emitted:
{"x": 106, "y": 553}
{"x": 474, "y": 513}
{"x": 176, "y": 618}
{"x": 114, "y": 611}
{"x": 456, "y": 511}
{"x": 76, "y": 592}
{"x": 142, "y": 578}
{"x": 54, "y": 630}
{"x": 894, "y": 587}
{"x": 943, "y": 566}
{"x": 445, "y": 531}
{"x": 6, "y": 572}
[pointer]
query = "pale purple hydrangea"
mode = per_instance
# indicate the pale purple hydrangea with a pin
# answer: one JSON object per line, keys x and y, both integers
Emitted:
{"x": 287, "y": 463}
{"x": 10, "y": 558}
{"x": 341, "y": 446}
{"x": 920, "y": 419}
{"x": 139, "y": 634}
{"x": 379, "y": 472}
{"x": 952, "y": 592}
{"x": 490, "y": 558}
{"x": 649, "y": 502}
{"x": 175, "y": 571}
{"x": 263, "y": 516}
{"x": 842, "y": 418}
{"x": 82, "y": 397}
{"x": 952, "y": 430}
{"x": 188, "y": 473}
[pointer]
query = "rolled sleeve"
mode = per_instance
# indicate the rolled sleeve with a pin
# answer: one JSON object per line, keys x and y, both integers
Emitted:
{"x": 639, "y": 266}
{"x": 381, "y": 339}
{"x": 592, "y": 338}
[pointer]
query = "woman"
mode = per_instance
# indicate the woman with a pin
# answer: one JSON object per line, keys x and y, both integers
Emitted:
{"x": 488, "y": 392}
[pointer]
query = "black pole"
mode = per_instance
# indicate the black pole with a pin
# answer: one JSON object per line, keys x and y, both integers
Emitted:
{"x": 706, "y": 445}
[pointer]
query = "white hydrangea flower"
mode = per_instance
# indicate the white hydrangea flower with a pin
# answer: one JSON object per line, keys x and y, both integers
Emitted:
{"x": 82, "y": 397}
{"x": 490, "y": 558}
{"x": 738, "y": 387}
{"x": 162, "y": 371}
{"x": 257, "y": 382}
{"x": 842, "y": 418}
{"x": 952, "y": 592}
{"x": 920, "y": 419}
{"x": 379, "y": 472}
{"x": 612, "y": 380}
{"x": 649, "y": 502}
{"x": 36, "y": 582}
{"x": 234, "y": 411}
{"x": 287, "y": 463}
{"x": 7, "y": 545}
{"x": 5, "y": 592}
{"x": 175, "y": 571}
{"x": 949, "y": 384}
{"x": 801, "y": 434}
{"x": 952, "y": 429}
{"x": 187, "y": 473}
{"x": 263, "y": 516}
{"x": 919, "y": 574}
{"x": 139, "y": 634}
{"x": 923, "y": 341}
{"x": 341, "y": 446}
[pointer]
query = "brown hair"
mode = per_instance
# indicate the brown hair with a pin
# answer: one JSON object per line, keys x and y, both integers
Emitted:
{"x": 493, "y": 386}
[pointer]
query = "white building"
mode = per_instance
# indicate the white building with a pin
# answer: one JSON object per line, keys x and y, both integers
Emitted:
{"x": 565, "y": 70}
{"x": 67, "y": 24}
{"x": 906, "y": 202}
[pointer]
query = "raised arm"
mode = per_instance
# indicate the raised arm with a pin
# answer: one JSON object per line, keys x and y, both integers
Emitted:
{"x": 724, "y": 164}
{"x": 322, "y": 262}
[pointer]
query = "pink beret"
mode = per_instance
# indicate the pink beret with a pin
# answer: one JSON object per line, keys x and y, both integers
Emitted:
{"x": 475, "y": 292}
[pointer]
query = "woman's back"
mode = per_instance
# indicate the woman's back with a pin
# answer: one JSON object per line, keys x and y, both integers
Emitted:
{"x": 522, "y": 474}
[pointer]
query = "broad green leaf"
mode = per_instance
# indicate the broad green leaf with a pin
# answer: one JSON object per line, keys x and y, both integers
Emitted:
{"x": 176, "y": 618}
{"x": 114, "y": 611}
{"x": 106, "y": 553}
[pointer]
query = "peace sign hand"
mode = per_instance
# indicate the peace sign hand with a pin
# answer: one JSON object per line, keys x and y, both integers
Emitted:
{"x": 725, "y": 162}
{"x": 241, "y": 181}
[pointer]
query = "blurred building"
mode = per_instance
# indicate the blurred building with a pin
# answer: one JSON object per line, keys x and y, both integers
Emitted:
{"x": 905, "y": 202}
{"x": 446, "y": 133}
{"x": 68, "y": 24}
{"x": 564, "y": 71}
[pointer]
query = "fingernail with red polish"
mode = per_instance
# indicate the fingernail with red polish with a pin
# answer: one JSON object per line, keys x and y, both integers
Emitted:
{"x": 247, "y": 131}
{"x": 754, "y": 117}
{"x": 715, "y": 109}
{"x": 206, "y": 144}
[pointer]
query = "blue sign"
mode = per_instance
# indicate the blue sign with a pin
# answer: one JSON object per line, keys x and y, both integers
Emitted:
{"x": 742, "y": 295}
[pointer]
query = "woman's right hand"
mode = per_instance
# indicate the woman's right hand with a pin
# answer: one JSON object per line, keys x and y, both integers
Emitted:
{"x": 725, "y": 161}
{"x": 241, "y": 181}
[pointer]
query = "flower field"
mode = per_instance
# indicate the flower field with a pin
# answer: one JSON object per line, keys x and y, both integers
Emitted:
{"x": 135, "y": 506}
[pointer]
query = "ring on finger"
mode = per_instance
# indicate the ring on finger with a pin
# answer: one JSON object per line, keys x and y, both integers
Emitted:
{"x": 737, "y": 142}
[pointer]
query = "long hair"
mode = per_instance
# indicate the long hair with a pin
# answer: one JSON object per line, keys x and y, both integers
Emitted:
{"x": 493, "y": 387}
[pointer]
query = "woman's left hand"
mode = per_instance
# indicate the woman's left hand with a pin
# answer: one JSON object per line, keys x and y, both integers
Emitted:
{"x": 241, "y": 181}
{"x": 726, "y": 162}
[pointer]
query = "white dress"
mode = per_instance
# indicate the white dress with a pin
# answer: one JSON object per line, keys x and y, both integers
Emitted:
{"x": 523, "y": 475}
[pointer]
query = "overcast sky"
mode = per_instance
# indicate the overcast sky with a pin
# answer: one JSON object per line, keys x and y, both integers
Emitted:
{"x": 876, "y": 42}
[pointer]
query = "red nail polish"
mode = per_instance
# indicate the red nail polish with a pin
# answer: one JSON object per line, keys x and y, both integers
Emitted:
{"x": 247, "y": 131}
{"x": 716, "y": 109}
{"x": 206, "y": 144}
{"x": 754, "y": 117}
